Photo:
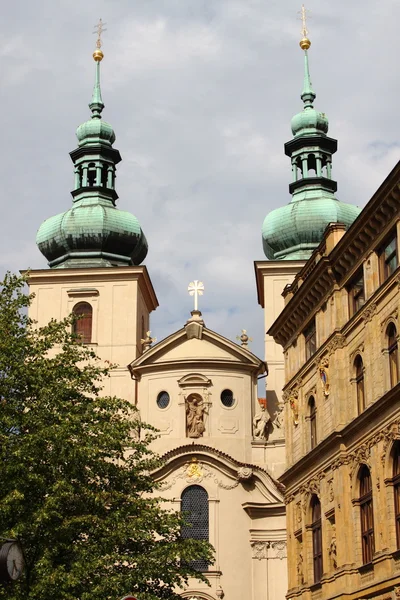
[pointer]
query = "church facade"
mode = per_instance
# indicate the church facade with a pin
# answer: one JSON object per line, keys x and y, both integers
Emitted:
{"x": 222, "y": 452}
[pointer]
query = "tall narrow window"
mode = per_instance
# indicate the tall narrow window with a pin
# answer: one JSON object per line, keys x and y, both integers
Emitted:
{"x": 356, "y": 293}
{"x": 310, "y": 336}
{"x": 366, "y": 515}
{"x": 396, "y": 487}
{"x": 316, "y": 538}
{"x": 313, "y": 422}
{"x": 389, "y": 257}
{"x": 83, "y": 325}
{"x": 391, "y": 333}
{"x": 359, "y": 369}
{"x": 194, "y": 503}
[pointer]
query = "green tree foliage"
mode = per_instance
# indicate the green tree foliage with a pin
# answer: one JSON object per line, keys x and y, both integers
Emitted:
{"x": 75, "y": 483}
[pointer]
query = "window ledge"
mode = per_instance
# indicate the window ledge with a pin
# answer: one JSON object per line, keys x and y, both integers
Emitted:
{"x": 367, "y": 568}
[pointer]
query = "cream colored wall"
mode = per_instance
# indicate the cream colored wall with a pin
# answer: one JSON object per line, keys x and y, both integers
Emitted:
{"x": 228, "y": 429}
{"x": 117, "y": 298}
{"x": 250, "y": 558}
{"x": 272, "y": 277}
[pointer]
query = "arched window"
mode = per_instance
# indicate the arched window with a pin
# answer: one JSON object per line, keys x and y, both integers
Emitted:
{"x": 91, "y": 175}
{"x": 391, "y": 333}
{"x": 359, "y": 369}
{"x": 313, "y": 422}
{"x": 194, "y": 503}
{"x": 366, "y": 515}
{"x": 83, "y": 325}
{"x": 396, "y": 488}
{"x": 316, "y": 537}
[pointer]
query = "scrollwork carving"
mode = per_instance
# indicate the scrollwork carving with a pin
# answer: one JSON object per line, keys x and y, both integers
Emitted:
{"x": 369, "y": 312}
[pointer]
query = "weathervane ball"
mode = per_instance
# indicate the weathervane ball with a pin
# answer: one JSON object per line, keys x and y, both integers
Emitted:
{"x": 98, "y": 55}
{"x": 304, "y": 43}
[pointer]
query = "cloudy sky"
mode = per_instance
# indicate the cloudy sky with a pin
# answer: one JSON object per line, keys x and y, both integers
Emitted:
{"x": 200, "y": 94}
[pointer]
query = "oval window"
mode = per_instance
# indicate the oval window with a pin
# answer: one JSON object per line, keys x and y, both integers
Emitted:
{"x": 227, "y": 398}
{"x": 163, "y": 400}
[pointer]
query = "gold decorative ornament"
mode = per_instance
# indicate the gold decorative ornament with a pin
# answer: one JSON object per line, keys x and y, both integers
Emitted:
{"x": 304, "y": 42}
{"x": 98, "y": 30}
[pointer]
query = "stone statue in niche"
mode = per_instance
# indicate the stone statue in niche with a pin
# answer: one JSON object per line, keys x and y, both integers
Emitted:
{"x": 332, "y": 548}
{"x": 279, "y": 418}
{"x": 260, "y": 424}
{"x": 195, "y": 411}
{"x": 299, "y": 567}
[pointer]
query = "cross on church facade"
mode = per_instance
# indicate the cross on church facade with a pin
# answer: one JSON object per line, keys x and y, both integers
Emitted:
{"x": 196, "y": 289}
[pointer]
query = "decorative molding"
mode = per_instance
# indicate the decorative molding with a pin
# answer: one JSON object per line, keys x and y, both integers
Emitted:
{"x": 369, "y": 312}
{"x": 194, "y": 380}
{"x": 259, "y": 550}
{"x": 338, "y": 342}
{"x": 278, "y": 549}
{"x": 192, "y": 472}
{"x": 243, "y": 474}
{"x": 313, "y": 486}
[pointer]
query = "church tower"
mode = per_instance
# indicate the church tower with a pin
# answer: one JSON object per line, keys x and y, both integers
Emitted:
{"x": 94, "y": 251}
{"x": 291, "y": 233}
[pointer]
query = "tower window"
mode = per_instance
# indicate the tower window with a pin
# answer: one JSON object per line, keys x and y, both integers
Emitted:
{"x": 194, "y": 503}
{"x": 359, "y": 372}
{"x": 389, "y": 257}
{"x": 163, "y": 400}
{"x": 91, "y": 175}
{"x": 313, "y": 422}
{"x": 82, "y": 327}
{"x": 104, "y": 175}
{"x": 391, "y": 333}
{"x": 366, "y": 515}
{"x": 396, "y": 489}
{"x": 227, "y": 398}
{"x": 316, "y": 528}
{"x": 310, "y": 336}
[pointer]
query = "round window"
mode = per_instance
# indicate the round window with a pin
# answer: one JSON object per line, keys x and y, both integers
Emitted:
{"x": 227, "y": 398}
{"x": 163, "y": 400}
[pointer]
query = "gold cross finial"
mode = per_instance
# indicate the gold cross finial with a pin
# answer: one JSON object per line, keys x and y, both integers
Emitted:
{"x": 98, "y": 30}
{"x": 304, "y": 42}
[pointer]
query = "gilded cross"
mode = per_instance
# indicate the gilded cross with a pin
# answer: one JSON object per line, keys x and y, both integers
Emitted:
{"x": 196, "y": 289}
{"x": 98, "y": 30}
{"x": 303, "y": 16}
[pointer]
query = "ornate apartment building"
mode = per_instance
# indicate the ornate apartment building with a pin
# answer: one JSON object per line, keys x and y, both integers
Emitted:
{"x": 339, "y": 331}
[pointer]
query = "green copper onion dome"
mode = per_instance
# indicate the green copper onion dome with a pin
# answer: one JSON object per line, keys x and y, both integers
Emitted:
{"x": 93, "y": 232}
{"x": 293, "y": 232}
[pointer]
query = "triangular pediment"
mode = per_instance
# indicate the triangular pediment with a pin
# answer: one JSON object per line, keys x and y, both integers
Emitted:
{"x": 209, "y": 348}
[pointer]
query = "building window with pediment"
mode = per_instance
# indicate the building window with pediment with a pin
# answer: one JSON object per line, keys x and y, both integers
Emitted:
{"x": 313, "y": 421}
{"x": 391, "y": 334}
{"x": 310, "y": 338}
{"x": 316, "y": 528}
{"x": 366, "y": 515}
{"x": 194, "y": 505}
{"x": 388, "y": 257}
{"x": 356, "y": 293}
{"x": 396, "y": 489}
{"x": 359, "y": 379}
{"x": 82, "y": 327}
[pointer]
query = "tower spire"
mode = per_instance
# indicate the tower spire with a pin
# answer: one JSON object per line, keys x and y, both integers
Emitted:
{"x": 96, "y": 105}
{"x": 308, "y": 95}
{"x": 294, "y": 231}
